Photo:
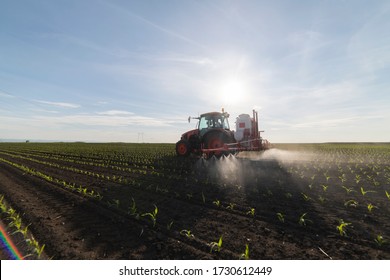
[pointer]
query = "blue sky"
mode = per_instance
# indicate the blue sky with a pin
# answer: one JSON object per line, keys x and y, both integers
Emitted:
{"x": 119, "y": 70}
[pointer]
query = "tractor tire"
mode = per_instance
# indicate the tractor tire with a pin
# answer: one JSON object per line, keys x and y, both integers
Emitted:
{"x": 183, "y": 148}
{"x": 216, "y": 140}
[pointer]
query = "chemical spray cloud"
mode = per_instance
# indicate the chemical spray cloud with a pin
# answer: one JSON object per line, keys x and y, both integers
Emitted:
{"x": 244, "y": 168}
{"x": 227, "y": 169}
{"x": 279, "y": 155}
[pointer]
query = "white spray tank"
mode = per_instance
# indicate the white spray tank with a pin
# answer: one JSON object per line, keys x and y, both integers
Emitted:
{"x": 243, "y": 127}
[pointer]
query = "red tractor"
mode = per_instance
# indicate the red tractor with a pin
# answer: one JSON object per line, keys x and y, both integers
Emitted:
{"x": 214, "y": 137}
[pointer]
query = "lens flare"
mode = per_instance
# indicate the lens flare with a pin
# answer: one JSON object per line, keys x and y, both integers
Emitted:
{"x": 9, "y": 245}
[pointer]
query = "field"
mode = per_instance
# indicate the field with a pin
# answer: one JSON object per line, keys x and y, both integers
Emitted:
{"x": 139, "y": 201}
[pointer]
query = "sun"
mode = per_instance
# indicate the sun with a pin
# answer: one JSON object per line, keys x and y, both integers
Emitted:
{"x": 232, "y": 92}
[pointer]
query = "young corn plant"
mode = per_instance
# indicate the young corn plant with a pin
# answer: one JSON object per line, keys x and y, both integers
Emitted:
{"x": 217, "y": 202}
{"x": 114, "y": 203}
{"x": 169, "y": 226}
{"x": 325, "y": 187}
{"x": 216, "y": 246}
{"x": 342, "y": 178}
{"x": 321, "y": 199}
{"x": 133, "y": 209}
{"x": 230, "y": 206}
{"x": 203, "y": 198}
{"x": 280, "y": 217}
{"x": 348, "y": 190}
{"x": 326, "y": 177}
{"x": 370, "y": 207}
{"x": 187, "y": 233}
{"x": 3, "y": 207}
{"x": 152, "y": 215}
{"x": 23, "y": 231}
{"x": 351, "y": 203}
{"x": 342, "y": 228}
{"x": 387, "y": 195}
{"x": 365, "y": 192}
{"x": 357, "y": 178}
{"x": 306, "y": 197}
{"x": 245, "y": 255}
{"x": 251, "y": 212}
{"x": 302, "y": 221}
{"x": 379, "y": 239}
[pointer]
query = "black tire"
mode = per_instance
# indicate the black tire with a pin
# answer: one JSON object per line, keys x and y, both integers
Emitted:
{"x": 216, "y": 139}
{"x": 183, "y": 148}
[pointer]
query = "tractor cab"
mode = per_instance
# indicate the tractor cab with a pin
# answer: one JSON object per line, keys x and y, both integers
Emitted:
{"x": 211, "y": 121}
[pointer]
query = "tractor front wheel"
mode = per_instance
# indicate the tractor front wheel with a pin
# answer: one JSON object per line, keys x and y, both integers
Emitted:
{"x": 183, "y": 148}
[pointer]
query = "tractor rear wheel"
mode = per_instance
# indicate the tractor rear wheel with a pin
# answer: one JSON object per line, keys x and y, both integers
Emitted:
{"x": 216, "y": 140}
{"x": 183, "y": 148}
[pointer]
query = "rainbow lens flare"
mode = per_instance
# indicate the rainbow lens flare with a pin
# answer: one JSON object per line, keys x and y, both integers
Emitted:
{"x": 6, "y": 241}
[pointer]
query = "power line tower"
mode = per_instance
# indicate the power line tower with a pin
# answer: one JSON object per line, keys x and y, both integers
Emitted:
{"x": 140, "y": 136}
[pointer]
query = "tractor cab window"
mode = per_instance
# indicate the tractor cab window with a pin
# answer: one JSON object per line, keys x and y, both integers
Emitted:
{"x": 213, "y": 121}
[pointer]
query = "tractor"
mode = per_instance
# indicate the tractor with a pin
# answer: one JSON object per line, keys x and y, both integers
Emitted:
{"x": 214, "y": 137}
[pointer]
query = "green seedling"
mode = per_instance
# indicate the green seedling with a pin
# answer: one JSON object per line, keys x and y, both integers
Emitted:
{"x": 16, "y": 221}
{"x": 387, "y": 195}
{"x": 365, "y": 192}
{"x": 203, "y": 198}
{"x": 325, "y": 187}
{"x": 37, "y": 248}
{"x": 23, "y": 231}
{"x": 280, "y": 217}
{"x": 245, "y": 255}
{"x": 351, "y": 203}
{"x": 133, "y": 208}
{"x": 321, "y": 199}
{"x": 379, "y": 239}
{"x": 370, "y": 207}
{"x": 348, "y": 190}
{"x": 169, "y": 226}
{"x": 230, "y": 206}
{"x": 326, "y": 177}
{"x": 306, "y": 197}
{"x": 114, "y": 203}
{"x": 302, "y": 221}
{"x": 217, "y": 202}
{"x": 251, "y": 212}
{"x": 152, "y": 215}
{"x": 342, "y": 228}
{"x": 98, "y": 196}
{"x": 357, "y": 178}
{"x": 216, "y": 246}
{"x": 288, "y": 195}
{"x": 342, "y": 178}
{"x": 187, "y": 233}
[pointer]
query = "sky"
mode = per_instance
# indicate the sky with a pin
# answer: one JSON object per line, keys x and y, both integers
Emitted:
{"x": 133, "y": 71}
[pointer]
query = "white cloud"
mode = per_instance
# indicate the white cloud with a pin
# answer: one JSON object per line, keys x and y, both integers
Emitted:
{"x": 4, "y": 94}
{"x": 59, "y": 104}
{"x": 112, "y": 119}
{"x": 115, "y": 113}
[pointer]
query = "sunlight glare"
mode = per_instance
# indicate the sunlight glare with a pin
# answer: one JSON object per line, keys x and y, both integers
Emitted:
{"x": 232, "y": 92}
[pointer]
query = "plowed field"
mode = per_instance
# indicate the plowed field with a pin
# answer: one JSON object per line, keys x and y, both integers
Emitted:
{"x": 139, "y": 201}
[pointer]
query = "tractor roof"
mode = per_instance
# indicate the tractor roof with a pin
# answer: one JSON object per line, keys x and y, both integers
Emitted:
{"x": 211, "y": 114}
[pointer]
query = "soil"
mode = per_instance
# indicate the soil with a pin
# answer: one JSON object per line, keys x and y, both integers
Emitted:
{"x": 257, "y": 203}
